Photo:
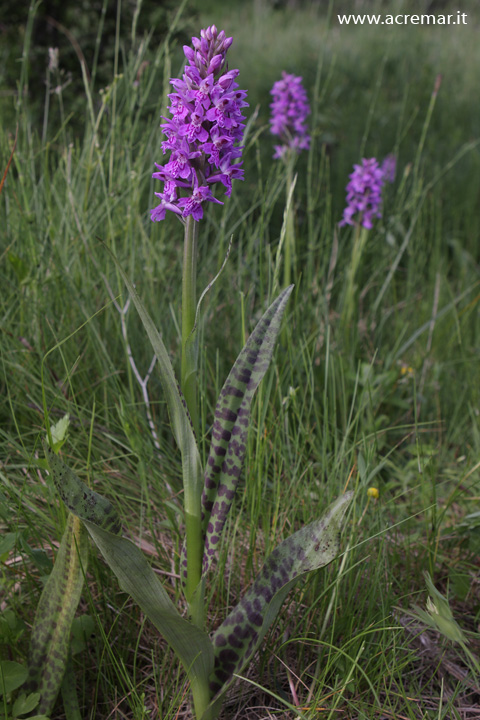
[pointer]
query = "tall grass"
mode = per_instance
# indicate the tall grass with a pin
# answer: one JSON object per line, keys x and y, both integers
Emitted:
{"x": 393, "y": 404}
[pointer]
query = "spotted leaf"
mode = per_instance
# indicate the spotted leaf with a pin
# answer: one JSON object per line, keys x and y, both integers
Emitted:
{"x": 136, "y": 577}
{"x": 230, "y": 425}
{"x": 50, "y": 637}
{"x": 79, "y": 498}
{"x": 240, "y": 634}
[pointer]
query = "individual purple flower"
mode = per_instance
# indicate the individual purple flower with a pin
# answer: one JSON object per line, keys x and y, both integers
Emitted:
{"x": 289, "y": 111}
{"x": 204, "y": 131}
{"x": 228, "y": 172}
{"x": 192, "y": 205}
{"x": 364, "y": 194}
{"x": 389, "y": 167}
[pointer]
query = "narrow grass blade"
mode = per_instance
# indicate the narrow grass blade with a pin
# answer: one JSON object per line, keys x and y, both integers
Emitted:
{"x": 191, "y": 346}
{"x": 185, "y": 437}
{"x": 50, "y": 639}
{"x": 179, "y": 417}
{"x": 2, "y": 181}
{"x": 136, "y": 577}
{"x": 230, "y": 426}
{"x": 240, "y": 634}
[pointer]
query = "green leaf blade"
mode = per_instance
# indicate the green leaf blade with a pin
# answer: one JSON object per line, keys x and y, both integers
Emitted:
{"x": 12, "y": 676}
{"x": 136, "y": 577}
{"x": 25, "y": 704}
{"x": 50, "y": 637}
{"x": 231, "y": 421}
{"x": 192, "y": 646}
{"x": 241, "y": 633}
{"x": 79, "y": 498}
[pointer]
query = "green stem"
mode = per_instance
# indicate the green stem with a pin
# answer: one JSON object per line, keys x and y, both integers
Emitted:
{"x": 194, "y": 587}
{"x": 359, "y": 241}
{"x": 189, "y": 305}
{"x": 289, "y": 227}
{"x": 201, "y": 700}
{"x": 188, "y": 382}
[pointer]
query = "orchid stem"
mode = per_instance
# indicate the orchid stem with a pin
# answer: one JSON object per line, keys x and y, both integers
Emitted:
{"x": 188, "y": 382}
{"x": 189, "y": 304}
{"x": 359, "y": 242}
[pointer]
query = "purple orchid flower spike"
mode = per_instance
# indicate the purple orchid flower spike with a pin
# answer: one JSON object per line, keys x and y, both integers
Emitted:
{"x": 364, "y": 194}
{"x": 289, "y": 108}
{"x": 204, "y": 130}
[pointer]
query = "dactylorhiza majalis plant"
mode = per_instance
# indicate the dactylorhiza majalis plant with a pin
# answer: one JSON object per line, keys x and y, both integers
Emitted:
{"x": 364, "y": 201}
{"x": 202, "y": 137}
{"x": 288, "y": 120}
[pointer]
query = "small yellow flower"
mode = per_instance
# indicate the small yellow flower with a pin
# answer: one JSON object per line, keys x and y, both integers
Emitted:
{"x": 372, "y": 492}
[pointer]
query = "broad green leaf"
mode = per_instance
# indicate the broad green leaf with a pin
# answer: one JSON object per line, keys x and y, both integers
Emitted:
{"x": 136, "y": 577}
{"x": 230, "y": 425}
{"x": 25, "y": 704}
{"x": 50, "y": 638}
{"x": 12, "y": 675}
{"x": 241, "y": 633}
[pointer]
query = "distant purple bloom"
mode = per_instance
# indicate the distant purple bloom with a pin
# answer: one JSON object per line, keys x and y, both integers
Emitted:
{"x": 364, "y": 194}
{"x": 389, "y": 167}
{"x": 289, "y": 113}
{"x": 204, "y": 130}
